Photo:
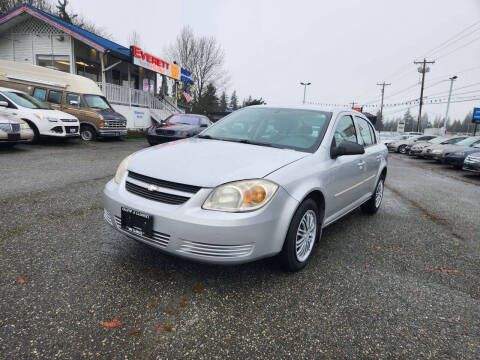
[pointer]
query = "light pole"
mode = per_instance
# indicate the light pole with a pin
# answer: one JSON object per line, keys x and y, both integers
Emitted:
{"x": 452, "y": 79}
{"x": 305, "y": 84}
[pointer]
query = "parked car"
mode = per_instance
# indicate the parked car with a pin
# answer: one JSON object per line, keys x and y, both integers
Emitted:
{"x": 399, "y": 138}
{"x": 435, "y": 152}
{"x": 13, "y": 130}
{"x": 262, "y": 181}
{"x": 42, "y": 119}
{"x": 417, "y": 149}
{"x": 175, "y": 127}
{"x": 456, "y": 157}
{"x": 472, "y": 163}
{"x": 400, "y": 146}
{"x": 73, "y": 94}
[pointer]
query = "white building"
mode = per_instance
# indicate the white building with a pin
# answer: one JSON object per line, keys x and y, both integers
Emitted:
{"x": 129, "y": 77}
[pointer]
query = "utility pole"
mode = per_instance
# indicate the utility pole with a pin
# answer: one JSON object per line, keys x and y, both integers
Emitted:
{"x": 383, "y": 94}
{"x": 353, "y": 104}
{"x": 452, "y": 79}
{"x": 423, "y": 69}
{"x": 305, "y": 84}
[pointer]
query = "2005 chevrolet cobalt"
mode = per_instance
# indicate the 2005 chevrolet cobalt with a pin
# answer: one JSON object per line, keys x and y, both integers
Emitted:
{"x": 263, "y": 181}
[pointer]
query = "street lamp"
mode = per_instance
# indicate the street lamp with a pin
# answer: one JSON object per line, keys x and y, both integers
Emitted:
{"x": 305, "y": 84}
{"x": 452, "y": 79}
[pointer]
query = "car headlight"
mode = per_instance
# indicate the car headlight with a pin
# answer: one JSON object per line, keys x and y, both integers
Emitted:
{"x": 437, "y": 151}
{"x": 51, "y": 119}
{"x": 240, "y": 196}
{"x": 121, "y": 169}
{"x": 459, "y": 154}
{"x": 24, "y": 126}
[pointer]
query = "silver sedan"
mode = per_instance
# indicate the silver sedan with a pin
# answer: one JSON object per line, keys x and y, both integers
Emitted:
{"x": 262, "y": 181}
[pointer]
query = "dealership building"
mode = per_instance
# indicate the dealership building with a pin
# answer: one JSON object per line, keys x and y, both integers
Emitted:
{"x": 130, "y": 78}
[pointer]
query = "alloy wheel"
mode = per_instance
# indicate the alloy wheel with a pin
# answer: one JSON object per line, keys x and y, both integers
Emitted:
{"x": 306, "y": 234}
{"x": 379, "y": 193}
{"x": 87, "y": 135}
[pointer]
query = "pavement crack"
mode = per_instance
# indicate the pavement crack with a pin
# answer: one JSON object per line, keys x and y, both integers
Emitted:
{"x": 437, "y": 220}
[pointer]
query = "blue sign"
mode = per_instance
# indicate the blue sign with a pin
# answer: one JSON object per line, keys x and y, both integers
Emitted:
{"x": 476, "y": 116}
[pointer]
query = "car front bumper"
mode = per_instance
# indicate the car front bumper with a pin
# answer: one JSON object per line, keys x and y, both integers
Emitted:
{"x": 191, "y": 232}
{"x": 453, "y": 160}
{"x": 472, "y": 165}
{"x": 112, "y": 132}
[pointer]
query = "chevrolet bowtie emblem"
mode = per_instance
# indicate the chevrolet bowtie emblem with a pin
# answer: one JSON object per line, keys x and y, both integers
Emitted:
{"x": 152, "y": 188}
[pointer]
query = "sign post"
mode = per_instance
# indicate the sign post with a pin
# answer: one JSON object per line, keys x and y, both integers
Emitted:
{"x": 476, "y": 119}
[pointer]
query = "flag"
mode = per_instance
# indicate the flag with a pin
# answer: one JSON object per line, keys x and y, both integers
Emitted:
{"x": 187, "y": 96}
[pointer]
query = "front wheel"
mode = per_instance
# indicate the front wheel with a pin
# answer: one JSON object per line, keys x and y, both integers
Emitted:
{"x": 304, "y": 231}
{"x": 402, "y": 149}
{"x": 87, "y": 133}
{"x": 372, "y": 205}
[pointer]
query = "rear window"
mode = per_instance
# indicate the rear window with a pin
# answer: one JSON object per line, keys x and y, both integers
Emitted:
{"x": 54, "y": 97}
{"x": 40, "y": 94}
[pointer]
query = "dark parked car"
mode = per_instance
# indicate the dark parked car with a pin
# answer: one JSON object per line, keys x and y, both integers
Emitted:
{"x": 456, "y": 157}
{"x": 472, "y": 163}
{"x": 176, "y": 127}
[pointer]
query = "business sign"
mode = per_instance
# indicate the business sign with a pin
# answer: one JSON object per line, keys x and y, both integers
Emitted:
{"x": 401, "y": 126}
{"x": 153, "y": 63}
{"x": 476, "y": 116}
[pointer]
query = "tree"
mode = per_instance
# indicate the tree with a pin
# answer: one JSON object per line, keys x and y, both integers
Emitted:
{"x": 62, "y": 12}
{"x": 208, "y": 102}
{"x": 379, "y": 123}
{"x": 233, "y": 101}
{"x": 250, "y": 101}
{"x": 134, "y": 39}
{"x": 223, "y": 102}
{"x": 409, "y": 121}
{"x": 44, "y": 5}
{"x": 203, "y": 56}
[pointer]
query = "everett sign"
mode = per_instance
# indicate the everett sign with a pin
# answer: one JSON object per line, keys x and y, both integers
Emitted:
{"x": 148, "y": 61}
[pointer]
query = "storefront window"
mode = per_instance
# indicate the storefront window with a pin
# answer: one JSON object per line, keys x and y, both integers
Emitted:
{"x": 88, "y": 69}
{"x": 55, "y": 62}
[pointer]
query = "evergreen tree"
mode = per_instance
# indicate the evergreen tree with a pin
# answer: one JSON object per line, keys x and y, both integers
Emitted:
{"x": 379, "y": 125}
{"x": 208, "y": 102}
{"x": 223, "y": 103}
{"x": 250, "y": 101}
{"x": 410, "y": 123}
{"x": 233, "y": 101}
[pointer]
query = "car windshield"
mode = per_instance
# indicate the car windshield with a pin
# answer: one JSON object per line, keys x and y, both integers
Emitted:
{"x": 438, "y": 140}
{"x": 296, "y": 129}
{"x": 467, "y": 141}
{"x": 97, "y": 102}
{"x": 25, "y": 100}
{"x": 476, "y": 145}
{"x": 184, "y": 119}
{"x": 402, "y": 137}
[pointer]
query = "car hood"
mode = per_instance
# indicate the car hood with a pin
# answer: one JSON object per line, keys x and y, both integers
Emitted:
{"x": 54, "y": 113}
{"x": 208, "y": 163}
{"x": 110, "y": 115}
{"x": 443, "y": 146}
{"x": 464, "y": 149}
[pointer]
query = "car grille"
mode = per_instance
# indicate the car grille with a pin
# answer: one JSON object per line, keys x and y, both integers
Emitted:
{"x": 165, "y": 132}
{"x": 155, "y": 195}
{"x": 115, "y": 124}
{"x": 163, "y": 183}
{"x": 217, "y": 251}
{"x": 157, "y": 238}
{"x": 10, "y": 128}
{"x": 69, "y": 120}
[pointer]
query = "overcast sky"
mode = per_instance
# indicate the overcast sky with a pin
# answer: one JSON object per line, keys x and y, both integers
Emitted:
{"x": 343, "y": 47}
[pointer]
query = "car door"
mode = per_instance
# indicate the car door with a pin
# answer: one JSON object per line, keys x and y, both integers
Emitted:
{"x": 372, "y": 157}
{"x": 345, "y": 173}
{"x": 11, "y": 109}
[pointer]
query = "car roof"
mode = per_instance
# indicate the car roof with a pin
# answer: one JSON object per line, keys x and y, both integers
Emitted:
{"x": 333, "y": 110}
{"x": 12, "y": 90}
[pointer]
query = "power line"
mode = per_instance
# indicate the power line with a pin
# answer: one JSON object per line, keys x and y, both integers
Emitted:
{"x": 458, "y": 48}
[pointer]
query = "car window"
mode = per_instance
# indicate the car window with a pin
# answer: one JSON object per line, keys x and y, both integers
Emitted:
{"x": 468, "y": 141}
{"x": 55, "y": 97}
{"x": 25, "y": 100}
{"x": 75, "y": 98}
{"x": 453, "y": 141}
{"x": 40, "y": 94}
{"x": 186, "y": 119}
{"x": 3, "y": 98}
{"x": 365, "y": 133}
{"x": 345, "y": 130}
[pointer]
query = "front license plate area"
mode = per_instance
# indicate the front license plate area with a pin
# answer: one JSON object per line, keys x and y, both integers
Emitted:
{"x": 137, "y": 222}
{"x": 13, "y": 137}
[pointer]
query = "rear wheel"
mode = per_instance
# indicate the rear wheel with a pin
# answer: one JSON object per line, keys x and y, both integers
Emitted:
{"x": 88, "y": 133}
{"x": 372, "y": 205}
{"x": 402, "y": 149}
{"x": 304, "y": 231}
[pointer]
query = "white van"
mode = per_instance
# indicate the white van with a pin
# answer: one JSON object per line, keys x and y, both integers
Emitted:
{"x": 43, "y": 120}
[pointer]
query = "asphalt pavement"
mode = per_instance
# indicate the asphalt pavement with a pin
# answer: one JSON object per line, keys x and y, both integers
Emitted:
{"x": 403, "y": 284}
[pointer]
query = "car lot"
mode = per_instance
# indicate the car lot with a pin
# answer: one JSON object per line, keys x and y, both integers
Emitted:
{"x": 402, "y": 284}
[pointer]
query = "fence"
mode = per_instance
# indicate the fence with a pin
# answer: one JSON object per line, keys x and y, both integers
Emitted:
{"x": 126, "y": 96}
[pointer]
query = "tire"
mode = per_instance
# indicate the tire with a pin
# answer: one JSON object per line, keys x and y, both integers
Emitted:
{"x": 371, "y": 206}
{"x": 402, "y": 149}
{"x": 88, "y": 133}
{"x": 307, "y": 218}
{"x": 36, "y": 133}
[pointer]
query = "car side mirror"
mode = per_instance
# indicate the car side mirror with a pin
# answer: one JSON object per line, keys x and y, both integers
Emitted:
{"x": 74, "y": 102}
{"x": 346, "y": 148}
{"x": 3, "y": 103}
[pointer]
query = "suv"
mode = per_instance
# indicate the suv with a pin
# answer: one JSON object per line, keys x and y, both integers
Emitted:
{"x": 262, "y": 181}
{"x": 43, "y": 120}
